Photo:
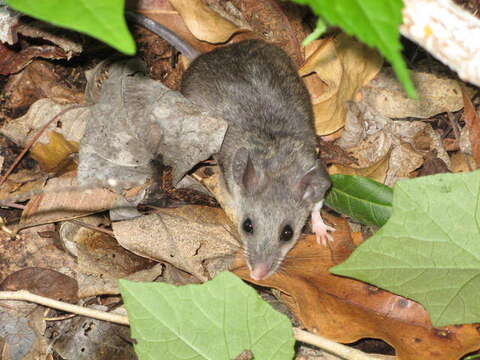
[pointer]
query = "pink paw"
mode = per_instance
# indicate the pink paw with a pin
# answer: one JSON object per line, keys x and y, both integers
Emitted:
{"x": 321, "y": 229}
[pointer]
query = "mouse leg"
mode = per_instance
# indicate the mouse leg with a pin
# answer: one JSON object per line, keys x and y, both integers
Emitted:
{"x": 319, "y": 227}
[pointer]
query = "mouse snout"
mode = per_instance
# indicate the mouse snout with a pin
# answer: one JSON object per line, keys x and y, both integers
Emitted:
{"x": 260, "y": 271}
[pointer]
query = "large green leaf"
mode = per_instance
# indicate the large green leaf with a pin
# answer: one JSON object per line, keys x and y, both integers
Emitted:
{"x": 216, "y": 320}
{"x": 363, "y": 199}
{"x": 102, "y": 19}
{"x": 429, "y": 250}
{"x": 375, "y": 22}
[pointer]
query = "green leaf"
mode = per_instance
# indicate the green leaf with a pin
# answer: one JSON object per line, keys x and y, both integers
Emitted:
{"x": 215, "y": 320}
{"x": 101, "y": 19}
{"x": 429, "y": 250}
{"x": 361, "y": 198}
{"x": 374, "y": 22}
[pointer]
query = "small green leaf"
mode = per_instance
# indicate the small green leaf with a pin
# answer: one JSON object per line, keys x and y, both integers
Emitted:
{"x": 374, "y": 22}
{"x": 102, "y": 19}
{"x": 215, "y": 320}
{"x": 429, "y": 250}
{"x": 363, "y": 199}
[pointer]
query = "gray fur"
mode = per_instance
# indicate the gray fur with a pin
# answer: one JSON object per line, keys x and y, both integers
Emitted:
{"x": 268, "y": 158}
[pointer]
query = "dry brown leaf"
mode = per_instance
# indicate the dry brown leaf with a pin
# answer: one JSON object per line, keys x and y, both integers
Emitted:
{"x": 347, "y": 68}
{"x": 39, "y": 80}
{"x": 57, "y": 153}
{"x": 21, "y": 182}
{"x": 203, "y": 22}
{"x": 34, "y": 248}
{"x": 43, "y": 282}
{"x": 197, "y": 239}
{"x": 101, "y": 260}
{"x": 472, "y": 120}
{"x": 59, "y": 201}
{"x": 436, "y": 95}
{"x": 377, "y": 171}
{"x": 461, "y": 162}
{"x": 71, "y": 124}
{"x": 346, "y": 310}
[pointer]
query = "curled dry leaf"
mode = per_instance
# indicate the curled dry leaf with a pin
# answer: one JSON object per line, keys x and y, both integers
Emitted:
{"x": 375, "y": 137}
{"x": 344, "y": 65}
{"x": 347, "y": 310}
{"x": 436, "y": 95}
{"x": 196, "y": 239}
{"x": 69, "y": 41}
{"x": 203, "y": 22}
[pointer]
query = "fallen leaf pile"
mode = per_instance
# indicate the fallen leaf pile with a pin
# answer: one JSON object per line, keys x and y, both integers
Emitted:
{"x": 92, "y": 171}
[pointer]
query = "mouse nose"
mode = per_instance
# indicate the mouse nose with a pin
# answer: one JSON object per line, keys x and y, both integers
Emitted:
{"x": 259, "y": 271}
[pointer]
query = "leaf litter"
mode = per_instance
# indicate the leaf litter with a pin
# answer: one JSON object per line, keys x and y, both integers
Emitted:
{"x": 355, "y": 99}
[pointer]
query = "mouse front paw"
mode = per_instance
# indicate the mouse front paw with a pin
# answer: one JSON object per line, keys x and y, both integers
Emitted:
{"x": 321, "y": 229}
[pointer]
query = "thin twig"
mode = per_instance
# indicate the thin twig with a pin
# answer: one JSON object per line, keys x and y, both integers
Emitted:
{"x": 35, "y": 138}
{"x": 60, "y": 305}
{"x": 330, "y": 346}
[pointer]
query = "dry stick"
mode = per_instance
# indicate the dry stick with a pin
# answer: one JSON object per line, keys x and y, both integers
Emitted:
{"x": 35, "y": 138}
{"x": 60, "y": 305}
{"x": 448, "y": 32}
{"x": 300, "y": 335}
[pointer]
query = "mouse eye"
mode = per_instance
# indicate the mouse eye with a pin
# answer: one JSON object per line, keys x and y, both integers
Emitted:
{"x": 286, "y": 233}
{"x": 247, "y": 226}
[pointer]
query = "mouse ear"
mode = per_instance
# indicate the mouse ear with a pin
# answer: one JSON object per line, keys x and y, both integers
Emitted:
{"x": 313, "y": 185}
{"x": 244, "y": 172}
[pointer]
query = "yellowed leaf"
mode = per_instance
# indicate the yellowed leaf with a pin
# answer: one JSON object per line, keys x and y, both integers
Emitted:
{"x": 203, "y": 22}
{"x": 54, "y": 154}
{"x": 344, "y": 69}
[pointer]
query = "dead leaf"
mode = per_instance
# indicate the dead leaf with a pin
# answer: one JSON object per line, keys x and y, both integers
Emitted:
{"x": 472, "y": 120}
{"x": 461, "y": 162}
{"x": 69, "y": 41}
{"x": 344, "y": 68}
{"x": 61, "y": 201}
{"x": 12, "y": 62}
{"x": 101, "y": 260}
{"x": 71, "y": 125}
{"x": 86, "y": 338}
{"x": 43, "y": 282}
{"x": 33, "y": 250}
{"x": 56, "y": 153}
{"x": 196, "y": 239}
{"x": 39, "y": 80}
{"x": 377, "y": 171}
{"x": 346, "y": 310}
{"x": 204, "y": 23}
{"x": 436, "y": 95}
{"x": 137, "y": 120}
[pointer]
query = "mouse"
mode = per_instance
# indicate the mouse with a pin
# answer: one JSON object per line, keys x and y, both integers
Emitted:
{"x": 268, "y": 160}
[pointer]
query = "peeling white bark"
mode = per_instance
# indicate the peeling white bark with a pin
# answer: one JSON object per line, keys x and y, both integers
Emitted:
{"x": 448, "y": 32}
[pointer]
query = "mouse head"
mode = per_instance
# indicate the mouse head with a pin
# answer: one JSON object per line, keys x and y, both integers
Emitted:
{"x": 272, "y": 210}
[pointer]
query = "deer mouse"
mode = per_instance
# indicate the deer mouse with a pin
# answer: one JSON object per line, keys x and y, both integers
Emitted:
{"x": 268, "y": 160}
